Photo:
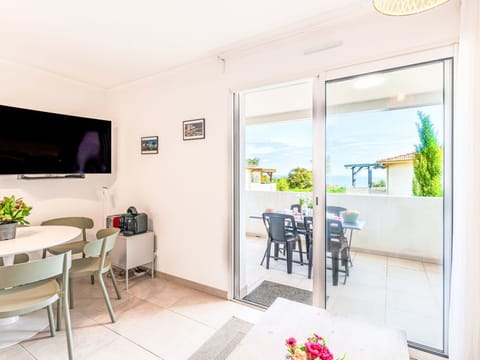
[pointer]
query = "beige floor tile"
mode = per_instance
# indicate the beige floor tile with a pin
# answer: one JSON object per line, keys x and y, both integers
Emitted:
{"x": 435, "y": 268}
{"x": 402, "y": 301}
{"x": 306, "y": 284}
{"x": 88, "y": 338}
{"x": 206, "y": 309}
{"x": 213, "y": 311}
{"x": 16, "y": 352}
{"x": 162, "y": 332}
{"x": 247, "y": 313}
{"x": 122, "y": 348}
{"x": 403, "y": 263}
{"x": 359, "y": 309}
{"x": 367, "y": 277}
{"x": 372, "y": 294}
{"x": 161, "y": 292}
{"x": 370, "y": 259}
{"x": 420, "y": 328}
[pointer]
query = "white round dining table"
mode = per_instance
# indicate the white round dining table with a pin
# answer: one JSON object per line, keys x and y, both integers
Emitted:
{"x": 33, "y": 238}
{"x": 28, "y": 239}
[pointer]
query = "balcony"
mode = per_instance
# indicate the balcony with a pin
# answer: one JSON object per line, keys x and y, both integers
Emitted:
{"x": 397, "y": 273}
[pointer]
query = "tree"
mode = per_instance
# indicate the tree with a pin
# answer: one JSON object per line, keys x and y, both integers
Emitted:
{"x": 282, "y": 184}
{"x": 300, "y": 178}
{"x": 427, "y": 164}
{"x": 253, "y": 162}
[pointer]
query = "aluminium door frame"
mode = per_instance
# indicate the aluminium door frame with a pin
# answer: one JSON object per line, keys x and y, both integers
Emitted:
{"x": 446, "y": 55}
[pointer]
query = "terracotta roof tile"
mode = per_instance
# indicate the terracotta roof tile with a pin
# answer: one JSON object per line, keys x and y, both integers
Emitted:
{"x": 398, "y": 158}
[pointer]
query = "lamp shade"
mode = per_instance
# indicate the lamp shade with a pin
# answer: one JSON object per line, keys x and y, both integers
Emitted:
{"x": 405, "y": 7}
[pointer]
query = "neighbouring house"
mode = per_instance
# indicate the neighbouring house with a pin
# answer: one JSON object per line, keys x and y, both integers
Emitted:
{"x": 399, "y": 174}
{"x": 254, "y": 179}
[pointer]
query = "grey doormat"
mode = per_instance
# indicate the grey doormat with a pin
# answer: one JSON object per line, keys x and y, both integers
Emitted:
{"x": 266, "y": 293}
{"x": 225, "y": 339}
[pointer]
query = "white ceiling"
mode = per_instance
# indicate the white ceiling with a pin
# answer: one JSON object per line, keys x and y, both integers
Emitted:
{"x": 413, "y": 86}
{"x": 110, "y": 42}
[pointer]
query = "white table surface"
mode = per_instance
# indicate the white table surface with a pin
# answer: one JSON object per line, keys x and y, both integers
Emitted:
{"x": 32, "y": 238}
{"x": 359, "y": 340}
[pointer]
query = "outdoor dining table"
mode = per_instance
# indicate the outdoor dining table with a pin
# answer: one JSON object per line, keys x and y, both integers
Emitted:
{"x": 357, "y": 225}
{"x": 32, "y": 238}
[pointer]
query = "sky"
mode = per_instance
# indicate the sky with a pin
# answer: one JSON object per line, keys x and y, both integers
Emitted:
{"x": 360, "y": 137}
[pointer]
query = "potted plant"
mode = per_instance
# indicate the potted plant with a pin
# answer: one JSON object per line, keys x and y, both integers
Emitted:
{"x": 12, "y": 212}
{"x": 313, "y": 348}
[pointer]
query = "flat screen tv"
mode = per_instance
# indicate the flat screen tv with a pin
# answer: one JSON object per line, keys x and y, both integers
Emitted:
{"x": 38, "y": 142}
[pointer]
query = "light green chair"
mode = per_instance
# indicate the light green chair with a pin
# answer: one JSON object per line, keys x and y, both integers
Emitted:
{"x": 75, "y": 247}
{"x": 97, "y": 262}
{"x": 32, "y": 286}
{"x": 19, "y": 259}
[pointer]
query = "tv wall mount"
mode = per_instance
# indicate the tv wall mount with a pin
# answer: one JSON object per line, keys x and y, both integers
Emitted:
{"x": 50, "y": 176}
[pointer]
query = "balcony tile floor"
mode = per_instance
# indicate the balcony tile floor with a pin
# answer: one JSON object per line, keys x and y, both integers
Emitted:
{"x": 400, "y": 293}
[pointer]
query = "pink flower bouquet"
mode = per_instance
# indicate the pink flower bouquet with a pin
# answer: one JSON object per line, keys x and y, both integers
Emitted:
{"x": 314, "y": 348}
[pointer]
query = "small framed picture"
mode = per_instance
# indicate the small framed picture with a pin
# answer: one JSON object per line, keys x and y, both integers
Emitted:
{"x": 150, "y": 145}
{"x": 194, "y": 129}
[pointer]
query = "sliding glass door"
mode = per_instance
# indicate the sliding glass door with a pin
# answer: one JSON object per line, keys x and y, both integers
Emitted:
{"x": 388, "y": 199}
{"x": 376, "y": 148}
{"x": 273, "y": 165}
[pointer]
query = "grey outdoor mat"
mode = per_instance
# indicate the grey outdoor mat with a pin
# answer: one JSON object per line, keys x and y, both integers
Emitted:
{"x": 225, "y": 339}
{"x": 266, "y": 293}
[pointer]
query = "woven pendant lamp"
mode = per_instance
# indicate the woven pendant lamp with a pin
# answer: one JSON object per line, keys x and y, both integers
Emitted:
{"x": 405, "y": 7}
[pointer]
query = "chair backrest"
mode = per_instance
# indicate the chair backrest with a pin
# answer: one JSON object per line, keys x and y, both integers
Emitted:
{"x": 279, "y": 225}
{"x": 102, "y": 246}
{"x": 335, "y": 210}
{"x": 308, "y": 223}
{"x": 18, "y": 259}
{"x": 334, "y": 229}
{"x": 296, "y": 207}
{"x": 79, "y": 222}
{"x": 30, "y": 272}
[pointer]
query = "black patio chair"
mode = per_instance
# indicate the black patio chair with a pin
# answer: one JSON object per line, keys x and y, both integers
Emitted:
{"x": 337, "y": 246}
{"x": 335, "y": 210}
{"x": 296, "y": 207}
{"x": 282, "y": 231}
{"x": 308, "y": 223}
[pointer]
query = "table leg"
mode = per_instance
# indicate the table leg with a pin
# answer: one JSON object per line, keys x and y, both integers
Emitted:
{"x": 335, "y": 266}
{"x": 350, "y": 244}
{"x": 153, "y": 266}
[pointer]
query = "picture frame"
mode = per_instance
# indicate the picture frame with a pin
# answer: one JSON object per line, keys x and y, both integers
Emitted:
{"x": 194, "y": 129}
{"x": 149, "y": 145}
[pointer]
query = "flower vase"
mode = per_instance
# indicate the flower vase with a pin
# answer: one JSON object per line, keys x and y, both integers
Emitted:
{"x": 8, "y": 231}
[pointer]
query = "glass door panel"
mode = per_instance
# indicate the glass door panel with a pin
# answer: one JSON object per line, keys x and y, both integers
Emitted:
{"x": 273, "y": 174}
{"x": 387, "y": 178}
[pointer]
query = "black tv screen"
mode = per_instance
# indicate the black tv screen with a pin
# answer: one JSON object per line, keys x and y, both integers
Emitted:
{"x": 37, "y": 142}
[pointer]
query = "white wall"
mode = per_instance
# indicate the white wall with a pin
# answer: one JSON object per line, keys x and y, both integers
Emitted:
{"x": 186, "y": 188}
{"x": 400, "y": 177}
{"x": 404, "y": 226}
{"x": 407, "y": 227}
{"x": 26, "y": 87}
